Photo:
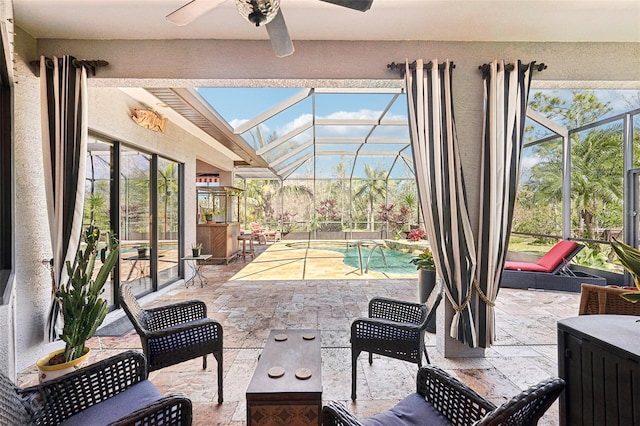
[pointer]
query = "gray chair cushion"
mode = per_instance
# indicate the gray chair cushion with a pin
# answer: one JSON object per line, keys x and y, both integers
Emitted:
{"x": 414, "y": 410}
{"x": 134, "y": 398}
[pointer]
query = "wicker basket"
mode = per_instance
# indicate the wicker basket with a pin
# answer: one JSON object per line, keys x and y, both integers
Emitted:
{"x": 606, "y": 300}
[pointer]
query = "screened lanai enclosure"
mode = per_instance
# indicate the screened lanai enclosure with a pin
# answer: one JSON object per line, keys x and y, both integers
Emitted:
{"x": 339, "y": 161}
{"x": 340, "y": 165}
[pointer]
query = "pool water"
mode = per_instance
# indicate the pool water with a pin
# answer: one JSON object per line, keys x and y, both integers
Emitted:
{"x": 397, "y": 262}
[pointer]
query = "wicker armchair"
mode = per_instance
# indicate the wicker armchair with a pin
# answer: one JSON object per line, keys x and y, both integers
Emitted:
{"x": 175, "y": 333}
{"x": 114, "y": 391}
{"x": 595, "y": 299}
{"x": 443, "y": 400}
{"x": 393, "y": 328}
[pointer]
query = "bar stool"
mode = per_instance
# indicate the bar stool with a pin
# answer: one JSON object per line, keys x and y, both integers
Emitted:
{"x": 244, "y": 251}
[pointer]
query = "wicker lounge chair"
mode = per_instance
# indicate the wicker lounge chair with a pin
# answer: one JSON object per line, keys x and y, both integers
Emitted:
{"x": 113, "y": 391}
{"x": 596, "y": 299}
{"x": 393, "y": 328}
{"x": 175, "y": 333}
{"x": 441, "y": 399}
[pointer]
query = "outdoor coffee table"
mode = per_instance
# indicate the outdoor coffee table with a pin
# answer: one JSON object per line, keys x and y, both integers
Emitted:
{"x": 286, "y": 387}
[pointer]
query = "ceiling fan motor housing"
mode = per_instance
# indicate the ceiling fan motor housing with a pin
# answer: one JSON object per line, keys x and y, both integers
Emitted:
{"x": 258, "y": 11}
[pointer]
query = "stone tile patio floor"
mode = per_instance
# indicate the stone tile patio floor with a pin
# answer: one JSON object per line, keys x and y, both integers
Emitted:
{"x": 524, "y": 352}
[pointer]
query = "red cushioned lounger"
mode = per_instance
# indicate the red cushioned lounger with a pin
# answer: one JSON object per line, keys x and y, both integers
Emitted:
{"x": 552, "y": 262}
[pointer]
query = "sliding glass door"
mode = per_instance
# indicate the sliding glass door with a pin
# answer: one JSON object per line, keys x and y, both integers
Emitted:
{"x": 168, "y": 223}
{"x": 98, "y": 197}
{"x": 135, "y": 220}
{"x": 137, "y": 195}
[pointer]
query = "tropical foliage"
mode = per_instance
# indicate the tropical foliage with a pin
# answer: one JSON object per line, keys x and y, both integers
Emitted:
{"x": 339, "y": 204}
{"x": 371, "y": 189}
{"x": 596, "y": 171}
{"x": 416, "y": 235}
{"x": 630, "y": 259}
{"x": 597, "y": 175}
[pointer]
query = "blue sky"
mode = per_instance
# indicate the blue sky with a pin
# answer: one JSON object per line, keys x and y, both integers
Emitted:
{"x": 237, "y": 105}
{"x": 244, "y": 103}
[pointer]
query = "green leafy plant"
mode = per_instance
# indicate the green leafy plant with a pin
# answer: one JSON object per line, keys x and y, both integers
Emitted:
{"x": 424, "y": 260}
{"x": 592, "y": 258}
{"x": 196, "y": 246}
{"x": 630, "y": 259}
{"x": 81, "y": 306}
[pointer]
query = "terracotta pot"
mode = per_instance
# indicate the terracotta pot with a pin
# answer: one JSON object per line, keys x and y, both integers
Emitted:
{"x": 48, "y": 372}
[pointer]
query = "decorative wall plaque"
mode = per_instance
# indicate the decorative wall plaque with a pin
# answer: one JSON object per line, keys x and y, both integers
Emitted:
{"x": 149, "y": 119}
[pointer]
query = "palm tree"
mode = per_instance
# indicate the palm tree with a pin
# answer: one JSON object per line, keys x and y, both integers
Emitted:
{"x": 373, "y": 188}
{"x": 596, "y": 176}
{"x": 596, "y": 162}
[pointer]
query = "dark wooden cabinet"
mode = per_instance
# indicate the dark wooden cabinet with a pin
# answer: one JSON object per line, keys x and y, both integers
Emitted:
{"x": 599, "y": 358}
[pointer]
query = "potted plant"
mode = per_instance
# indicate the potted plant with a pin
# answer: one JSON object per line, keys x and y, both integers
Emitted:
{"x": 142, "y": 251}
{"x": 427, "y": 283}
{"x": 208, "y": 215}
{"x": 218, "y": 215}
{"x": 426, "y": 273}
{"x": 196, "y": 248}
{"x": 81, "y": 307}
{"x": 630, "y": 259}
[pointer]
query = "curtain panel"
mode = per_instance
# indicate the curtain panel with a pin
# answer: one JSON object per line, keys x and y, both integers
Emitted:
{"x": 441, "y": 187}
{"x": 64, "y": 144}
{"x": 506, "y": 90}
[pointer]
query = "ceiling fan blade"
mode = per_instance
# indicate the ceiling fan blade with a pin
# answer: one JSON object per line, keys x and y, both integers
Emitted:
{"x": 192, "y": 11}
{"x": 361, "y": 5}
{"x": 279, "y": 35}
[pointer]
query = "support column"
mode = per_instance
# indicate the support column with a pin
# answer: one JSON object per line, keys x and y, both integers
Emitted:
{"x": 445, "y": 344}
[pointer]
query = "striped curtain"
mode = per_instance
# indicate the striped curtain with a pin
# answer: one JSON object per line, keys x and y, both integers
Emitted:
{"x": 441, "y": 187}
{"x": 505, "y": 98}
{"x": 64, "y": 144}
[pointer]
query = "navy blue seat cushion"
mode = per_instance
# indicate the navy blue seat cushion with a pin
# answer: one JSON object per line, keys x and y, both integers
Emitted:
{"x": 414, "y": 410}
{"x": 134, "y": 398}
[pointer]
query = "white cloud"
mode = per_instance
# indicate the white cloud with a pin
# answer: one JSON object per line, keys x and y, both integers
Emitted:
{"x": 235, "y": 123}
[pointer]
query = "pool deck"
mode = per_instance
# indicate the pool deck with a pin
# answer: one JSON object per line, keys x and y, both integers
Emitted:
{"x": 294, "y": 260}
{"x": 249, "y": 307}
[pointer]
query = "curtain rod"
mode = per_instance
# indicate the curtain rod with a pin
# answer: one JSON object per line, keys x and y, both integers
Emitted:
{"x": 91, "y": 65}
{"x": 401, "y": 66}
{"x": 485, "y": 68}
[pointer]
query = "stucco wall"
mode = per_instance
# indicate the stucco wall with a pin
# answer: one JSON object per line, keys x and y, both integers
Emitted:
{"x": 31, "y": 226}
{"x": 7, "y": 304}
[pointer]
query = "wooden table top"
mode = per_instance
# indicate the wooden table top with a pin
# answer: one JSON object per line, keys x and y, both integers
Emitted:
{"x": 293, "y": 354}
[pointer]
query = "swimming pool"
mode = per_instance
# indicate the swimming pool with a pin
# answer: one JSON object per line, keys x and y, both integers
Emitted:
{"x": 365, "y": 255}
{"x": 327, "y": 259}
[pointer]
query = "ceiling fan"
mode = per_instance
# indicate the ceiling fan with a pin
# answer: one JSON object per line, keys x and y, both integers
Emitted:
{"x": 258, "y": 12}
